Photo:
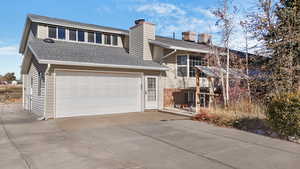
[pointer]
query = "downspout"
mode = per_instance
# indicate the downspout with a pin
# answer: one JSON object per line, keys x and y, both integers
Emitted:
{"x": 45, "y": 93}
{"x": 167, "y": 55}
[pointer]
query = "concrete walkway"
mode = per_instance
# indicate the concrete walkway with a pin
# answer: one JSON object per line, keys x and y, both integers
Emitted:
{"x": 175, "y": 144}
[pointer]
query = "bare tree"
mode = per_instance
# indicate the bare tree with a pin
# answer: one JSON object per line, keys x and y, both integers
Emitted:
{"x": 226, "y": 15}
{"x": 244, "y": 24}
{"x": 215, "y": 55}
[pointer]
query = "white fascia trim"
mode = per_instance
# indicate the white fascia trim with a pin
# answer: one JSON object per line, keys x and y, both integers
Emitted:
{"x": 178, "y": 48}
{"x": 70, "y": 63}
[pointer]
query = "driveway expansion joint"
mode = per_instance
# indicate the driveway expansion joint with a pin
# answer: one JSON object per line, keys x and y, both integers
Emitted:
{"x": 183, "y": 149}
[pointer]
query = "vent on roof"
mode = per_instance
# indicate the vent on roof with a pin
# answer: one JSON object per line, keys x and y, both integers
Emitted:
{"x": 48, "y": 40}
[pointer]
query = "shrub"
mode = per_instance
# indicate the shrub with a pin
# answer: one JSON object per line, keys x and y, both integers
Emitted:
{"x": 283, "y": 113}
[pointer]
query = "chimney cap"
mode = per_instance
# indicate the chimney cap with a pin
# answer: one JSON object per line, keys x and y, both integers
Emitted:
{"x": 138, "y": 21}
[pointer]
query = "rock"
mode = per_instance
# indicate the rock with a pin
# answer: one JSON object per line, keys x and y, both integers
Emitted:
{"x": 259, "y": 131}
{"x": 274, "y": 135}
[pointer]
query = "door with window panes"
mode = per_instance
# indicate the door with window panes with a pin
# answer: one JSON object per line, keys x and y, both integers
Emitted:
{"x": 151, "y": 91}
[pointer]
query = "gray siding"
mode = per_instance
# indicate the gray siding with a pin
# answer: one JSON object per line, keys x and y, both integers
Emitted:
{"x": 37, "y": 101}
{"x": 50, "y": 95}
{"x": 138, "y": 40}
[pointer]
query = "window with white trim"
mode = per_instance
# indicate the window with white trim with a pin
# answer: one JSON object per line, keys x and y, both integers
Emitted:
{"x": 182, "y": 65}
{"x": 186, "y": 65}
{"x": 61, "y": 33}
{"x": 52, "y": 32}
{"x": 115, "y": 40}
{"x": 98, "y": 37}
{"x": 80, "y": 35}
{"x": 91, "y": 37}
{"x": 72, "y": 34}
{"x": 107, "y": 39}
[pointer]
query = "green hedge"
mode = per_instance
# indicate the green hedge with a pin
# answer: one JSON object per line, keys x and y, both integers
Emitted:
{"x": 283, "y": 113}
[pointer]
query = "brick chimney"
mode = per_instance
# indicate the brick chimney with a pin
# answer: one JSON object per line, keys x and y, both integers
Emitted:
{"x": 204, "y": 38}
{"x": 189, "y": 36}
{"x": 139, "y": 35}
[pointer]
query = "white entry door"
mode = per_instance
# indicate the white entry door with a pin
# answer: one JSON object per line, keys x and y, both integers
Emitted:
{"x": 151, "y": 92}
{"x": 92, "y": 93}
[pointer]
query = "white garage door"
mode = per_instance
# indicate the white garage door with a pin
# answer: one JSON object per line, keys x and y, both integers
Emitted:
{"x": 91, "y": 93}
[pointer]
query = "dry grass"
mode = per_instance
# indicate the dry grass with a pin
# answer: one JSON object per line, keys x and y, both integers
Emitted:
{"x": 10, "y": 93}
{"x": 232, "y": 115}
{"x": 243, "y": 109}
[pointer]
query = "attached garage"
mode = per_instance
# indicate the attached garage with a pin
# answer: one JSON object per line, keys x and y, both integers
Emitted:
{"x": 79, "y": 93}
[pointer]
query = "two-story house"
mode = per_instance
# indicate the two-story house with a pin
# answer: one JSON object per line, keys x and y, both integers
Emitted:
{"x": 74, "y": 69}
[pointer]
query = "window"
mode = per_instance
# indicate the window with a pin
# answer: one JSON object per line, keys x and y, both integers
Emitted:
{"x": 194, "y": 61}
{"x": 186, "y": 65}
{"x": 107, "y": 39}
{"x": 151, "y": 82}
{"x": 52, "y": 32}
{"x": 80, "y": 35}
{"x": 181, "y": 65}
{"x": 72, "y": 34}
{"x": 61, "y": 33}
{"x": 91, "y": 37}
{"x": 115, "y": 40}
{"x": 98, "y": 37}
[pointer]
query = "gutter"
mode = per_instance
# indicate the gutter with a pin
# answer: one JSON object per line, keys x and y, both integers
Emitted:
{"x": 71, "y": 63}
{"x": 164, "y": 45}
{"x": 167, "y": 55}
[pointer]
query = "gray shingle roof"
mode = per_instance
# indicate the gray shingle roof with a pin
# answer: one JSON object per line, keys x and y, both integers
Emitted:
{"x": 63, "y": 51}
{"x": 164, "y": 41}
{"x": 215, "y": 72}
{"x": 63, "y": 22}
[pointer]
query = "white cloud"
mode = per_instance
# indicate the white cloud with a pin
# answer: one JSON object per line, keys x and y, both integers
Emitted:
{"x": 205, "y": 12}
{"x": 171, "y": 18}
{"x": 163, "y": 9}
{"x": 103, "y": 9}
{"x": 9, "y": 50}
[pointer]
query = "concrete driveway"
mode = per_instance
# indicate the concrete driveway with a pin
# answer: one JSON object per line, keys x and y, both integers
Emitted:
{"x": 163, "y": 142}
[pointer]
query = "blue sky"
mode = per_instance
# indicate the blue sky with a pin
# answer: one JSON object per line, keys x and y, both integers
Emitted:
{"x": 168, "y": 15}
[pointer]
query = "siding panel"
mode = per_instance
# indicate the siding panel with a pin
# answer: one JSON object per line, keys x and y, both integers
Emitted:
{"x": 37, "y": 101}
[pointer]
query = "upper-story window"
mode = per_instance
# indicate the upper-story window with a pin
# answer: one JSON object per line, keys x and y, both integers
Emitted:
{"x": 52, "y": 32}
{"x": 91, "y": 37}
{"x": 194, "y": 61}
{"x": 80, "y": 35}
{"x": 187, "y": 63}
{"x": 61, "y": 33}
{"x": 115, "y": 40}
{"x": 107, "y": 39}
{"x": 72, "y": 34}
{"x": 98, "y": 37}
{"x": 182, "y": 65}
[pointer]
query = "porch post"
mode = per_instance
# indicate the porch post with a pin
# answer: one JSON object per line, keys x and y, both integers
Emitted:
{"x": 197, "y": 91}
{"x": 211, "y": 91}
